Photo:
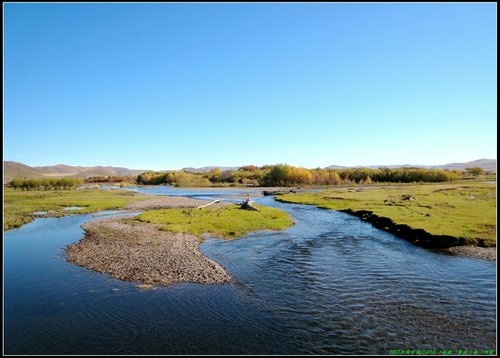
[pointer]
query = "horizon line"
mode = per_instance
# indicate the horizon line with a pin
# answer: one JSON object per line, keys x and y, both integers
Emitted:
{"x": 239, "y": 166}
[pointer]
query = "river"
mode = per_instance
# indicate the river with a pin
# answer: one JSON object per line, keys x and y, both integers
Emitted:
{"x": 331, "y": 284}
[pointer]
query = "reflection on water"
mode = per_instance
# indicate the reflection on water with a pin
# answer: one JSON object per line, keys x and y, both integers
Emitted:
{"x": 329, "y": 285}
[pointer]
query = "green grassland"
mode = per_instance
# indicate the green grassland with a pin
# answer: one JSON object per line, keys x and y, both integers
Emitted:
{"x": 20, "y": 205}
{"x": 227, "y": 222}
{"x": 465, "y": 211}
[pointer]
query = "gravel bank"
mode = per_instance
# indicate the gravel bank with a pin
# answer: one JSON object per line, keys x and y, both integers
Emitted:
{"x": 165, "y": 202}
{"x": 485, "y": 253}
{"x": 130, "y": 250}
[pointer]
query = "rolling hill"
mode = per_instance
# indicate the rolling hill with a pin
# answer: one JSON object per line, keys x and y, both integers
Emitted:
{"x": 487, "y": 164}
{"x": 20, "y": 170}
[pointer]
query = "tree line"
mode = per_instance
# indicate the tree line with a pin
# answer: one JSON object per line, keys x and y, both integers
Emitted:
{"x": 287, "y": 175}
{"x": 268, "y": 175}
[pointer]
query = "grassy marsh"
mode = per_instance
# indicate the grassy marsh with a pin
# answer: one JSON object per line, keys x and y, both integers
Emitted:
{"x": 19, "y": 206}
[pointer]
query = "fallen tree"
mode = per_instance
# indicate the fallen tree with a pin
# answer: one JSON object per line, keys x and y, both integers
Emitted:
{"x": 248, "y": 206}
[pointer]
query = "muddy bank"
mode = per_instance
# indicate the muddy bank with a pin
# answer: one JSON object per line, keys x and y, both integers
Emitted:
{"x": 130, "y": 250}
{"x": 420, "y": 237}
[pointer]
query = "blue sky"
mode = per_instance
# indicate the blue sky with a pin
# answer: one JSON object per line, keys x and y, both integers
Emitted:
{"x": 173, "y": 85}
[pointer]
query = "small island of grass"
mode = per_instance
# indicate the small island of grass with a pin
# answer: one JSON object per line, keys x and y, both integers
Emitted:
{"x": 224, "y": 221}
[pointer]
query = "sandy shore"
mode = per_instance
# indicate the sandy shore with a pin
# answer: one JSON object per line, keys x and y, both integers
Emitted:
{"x": 130, "y": 250}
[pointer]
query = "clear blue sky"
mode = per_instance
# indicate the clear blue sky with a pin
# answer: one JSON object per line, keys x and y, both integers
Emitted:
{"x": 173, "y": 85}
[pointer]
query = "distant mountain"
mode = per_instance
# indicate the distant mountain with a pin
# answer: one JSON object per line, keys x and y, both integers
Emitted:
{"x": 486, "y": 164}
{"x": 61, "y": 169}
{"x": 340, "y": 167}
{"x": 20, "y": 170}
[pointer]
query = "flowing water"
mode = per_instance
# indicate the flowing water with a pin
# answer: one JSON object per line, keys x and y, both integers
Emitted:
{"x": 331, "y": 284}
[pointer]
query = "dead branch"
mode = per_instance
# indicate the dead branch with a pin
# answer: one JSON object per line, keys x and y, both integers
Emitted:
{"x": 213, "y": 202}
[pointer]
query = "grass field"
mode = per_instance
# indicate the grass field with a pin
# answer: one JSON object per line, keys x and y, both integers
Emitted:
{"x": 19, "y": 206}
{"x": 460, "y": 210}
{"x": 227, "y": 222}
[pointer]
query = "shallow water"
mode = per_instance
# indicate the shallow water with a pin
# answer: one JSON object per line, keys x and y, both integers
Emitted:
{"x": 331, "y": 284}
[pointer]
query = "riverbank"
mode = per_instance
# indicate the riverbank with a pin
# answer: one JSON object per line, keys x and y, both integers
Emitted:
{"x": 131, "y": 250}
{"x": 445, "y": 243}
{"x": 434, "y": 216}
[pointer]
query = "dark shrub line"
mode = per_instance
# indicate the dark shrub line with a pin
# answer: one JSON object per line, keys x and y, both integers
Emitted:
{"x": 46, "y": 183}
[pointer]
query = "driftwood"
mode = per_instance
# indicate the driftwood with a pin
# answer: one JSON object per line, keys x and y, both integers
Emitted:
{"x": 213, "y": 202}
{"x": 247, "y": 206}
